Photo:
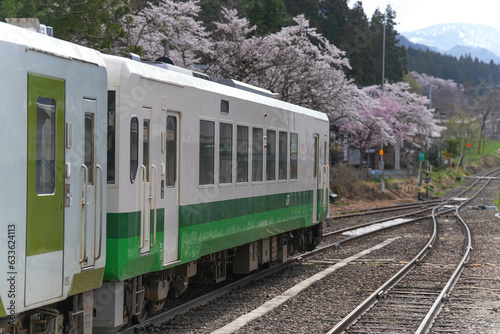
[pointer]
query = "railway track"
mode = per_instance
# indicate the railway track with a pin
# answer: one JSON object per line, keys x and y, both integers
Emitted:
{"x": 389, "y": 208}
{"x": 153, "y": 322}
{"x": 410, "y": 303}
{"x": 339, "y": 242}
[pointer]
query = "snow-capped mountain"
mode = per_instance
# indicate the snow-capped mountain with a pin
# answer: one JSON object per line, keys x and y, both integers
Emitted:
{"x": 459, "y": 38}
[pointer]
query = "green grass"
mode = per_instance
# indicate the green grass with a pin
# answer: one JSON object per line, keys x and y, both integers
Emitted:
{"x": 490, "y": 150}
{"x": 443, "y": 179}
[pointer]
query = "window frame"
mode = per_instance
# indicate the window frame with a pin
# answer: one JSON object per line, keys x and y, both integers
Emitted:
{"x": 174, "y": 143}
{"x": 270, "y": 153}
{"x": 111, "y": 170}
{"x": 246, "y": 152}
{"x": 284, "y": 145}
{"x": 254, "y": 153}
{"x": 146, "y": 145}
{"x": 133, "y": 169}
{"x": 229, "y": 140}
{"x": 201, "y": 158}
{"x": 291, "y": 178}
{"x": 89, "y": 143}
{"x": 46, "y": 145}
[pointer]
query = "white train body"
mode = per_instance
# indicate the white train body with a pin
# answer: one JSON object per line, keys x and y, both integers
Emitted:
{"x": 141, "y": 177}
{"x": 153, "y": 95}
{"x": 53, "y": 95}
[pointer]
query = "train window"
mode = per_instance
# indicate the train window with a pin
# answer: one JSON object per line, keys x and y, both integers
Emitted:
{"x": 207, "y": 137}
{"x": 45, "y": 146}
{"x": 226, "y": 153}
{"x": 89, "y": 146}
{"x": 111, "y": 136}
{"x": 326, "y": 155}
{"x": 316, "y": 159}
{"x": 134, "y": 148}
{"x": 271, "y": 155}
{"x": 282, "y": 155}
{"x": 257, "y": 154}
{"x": 224, "y": 107}
{"x": 171, "y": 151}
{"x": 145, "y": 147}
{"x": 294, "y": 145}
{"x": 242, "y": 154}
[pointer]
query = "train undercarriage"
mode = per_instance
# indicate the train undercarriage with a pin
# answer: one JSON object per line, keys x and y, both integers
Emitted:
{"x": 118, "y": 304}
{"x": 133, "y": 300}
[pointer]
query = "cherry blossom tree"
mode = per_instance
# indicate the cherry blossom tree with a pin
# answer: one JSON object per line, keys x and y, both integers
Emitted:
{"x": 236, "y": 52}
{"x": 413, "y": 122}
{"x": 446, "y": 95}
{"x": 176, "y": 22}
{"x": 297, "y": 63}
{"x": 370, "y": 127}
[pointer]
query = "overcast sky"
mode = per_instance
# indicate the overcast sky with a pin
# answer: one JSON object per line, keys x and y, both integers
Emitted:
{"x": 416, "y": 14}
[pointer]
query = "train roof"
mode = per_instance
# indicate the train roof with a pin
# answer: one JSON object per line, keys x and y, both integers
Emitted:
{"x": 34, "y": 41}
{"x": 167, "y": 74}
{"x": 183, "y": 77}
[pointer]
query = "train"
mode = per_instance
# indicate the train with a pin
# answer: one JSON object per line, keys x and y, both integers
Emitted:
{"x": 124, "y": 181}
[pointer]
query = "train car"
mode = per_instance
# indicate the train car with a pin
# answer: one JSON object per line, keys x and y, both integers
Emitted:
{"x": 144, "y": 175}
{"x": 53, "y": 200}
{"x": 203, "y": 179}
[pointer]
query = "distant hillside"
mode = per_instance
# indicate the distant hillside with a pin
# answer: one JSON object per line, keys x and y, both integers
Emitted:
{"x": 459, "y": 39}
{"x": 408, "y": 44}
{"x": 464, "y": 70}
{"x": 482, "y": 54}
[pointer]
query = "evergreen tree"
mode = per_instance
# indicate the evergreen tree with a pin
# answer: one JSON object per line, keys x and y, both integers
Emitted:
{"x": 358, "y": 46}
{"x": 333, "y": 18}
{"x": 310, "y": 9}
{"x": 268, "y": 15}
{"x": 95, "y": 23}
{"x": 395, "y": 54}
{"x": 211, "y": 10}
{"x": 21, "y": 8}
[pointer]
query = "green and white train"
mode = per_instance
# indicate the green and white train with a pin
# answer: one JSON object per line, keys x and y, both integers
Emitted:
{"x": 123, "y": 181}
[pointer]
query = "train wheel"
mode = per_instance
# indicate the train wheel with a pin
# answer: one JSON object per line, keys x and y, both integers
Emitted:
{"x": 154, "y": 307}
{"x": 141, "y": 317}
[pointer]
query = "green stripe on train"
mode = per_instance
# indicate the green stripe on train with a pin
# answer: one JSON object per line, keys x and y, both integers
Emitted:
{"x": 208, "y": 238}
{"x": 195, "y": 214}
{"x": 2, "y": 310}
{"x": 123, "y": 259}
{"x": 204, "y": 229}
{"x": 128, "y": 224}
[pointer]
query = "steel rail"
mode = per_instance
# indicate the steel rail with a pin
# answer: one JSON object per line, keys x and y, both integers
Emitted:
{"x": 391, "y": 208}
{"x": 347, "y": 229}
{"x": 202, "y": 300}
{"x": 369, "y": 302}
{"x": 428, "y": 320}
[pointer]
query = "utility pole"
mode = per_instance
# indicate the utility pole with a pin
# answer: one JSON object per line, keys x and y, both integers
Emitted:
{"x": 382, "y": 185}
{"x": 430, "y": 96}
{"x": 383, "y": 57}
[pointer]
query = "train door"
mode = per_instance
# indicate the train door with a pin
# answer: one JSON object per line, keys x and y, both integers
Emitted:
{"x": 171, "y": 189}
{"x": 147, "y": 181}
{"x": 316, "y": 177}
{"x": 92, "y": 187}
{"x": 45, "y": 189}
